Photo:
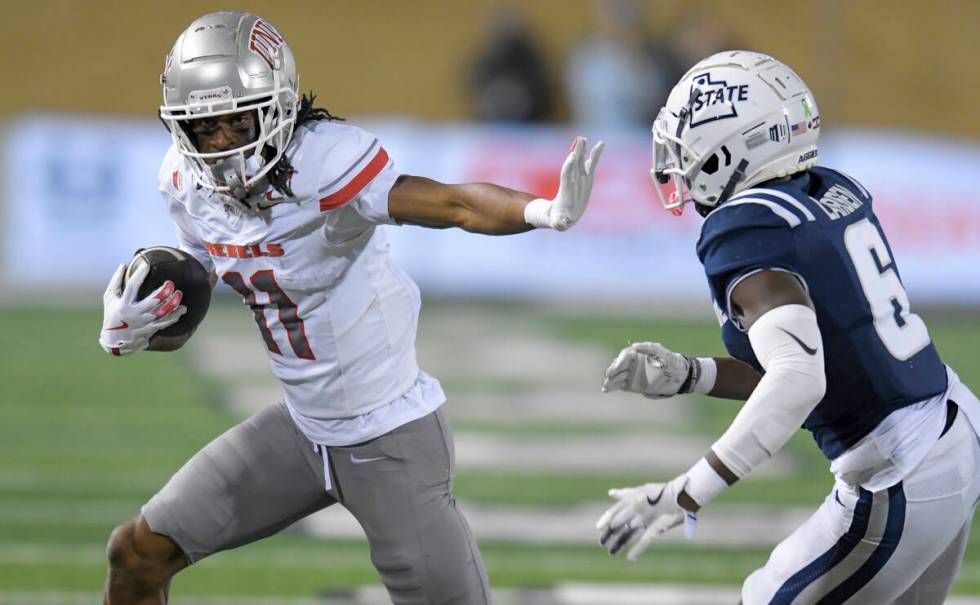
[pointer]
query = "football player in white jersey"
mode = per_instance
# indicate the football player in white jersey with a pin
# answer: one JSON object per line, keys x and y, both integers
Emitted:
{"x": 281, "y": 202}
{"x": 821, "y": 335}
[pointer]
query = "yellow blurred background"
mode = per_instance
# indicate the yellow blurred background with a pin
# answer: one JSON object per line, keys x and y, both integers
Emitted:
{"x": 899, "y": 64}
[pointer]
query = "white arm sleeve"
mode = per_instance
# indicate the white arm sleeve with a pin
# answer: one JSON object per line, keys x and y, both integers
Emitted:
{"x": 787, "y": 342}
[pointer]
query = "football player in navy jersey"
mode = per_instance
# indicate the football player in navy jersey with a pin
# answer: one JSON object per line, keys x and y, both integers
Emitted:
{"x": 821, "y": 335}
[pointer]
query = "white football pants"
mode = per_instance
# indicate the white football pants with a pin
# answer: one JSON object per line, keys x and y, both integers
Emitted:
{"x": 901, "y": 545}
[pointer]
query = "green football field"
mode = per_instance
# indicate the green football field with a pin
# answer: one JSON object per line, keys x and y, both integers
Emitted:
{"x": 85, "y": 440}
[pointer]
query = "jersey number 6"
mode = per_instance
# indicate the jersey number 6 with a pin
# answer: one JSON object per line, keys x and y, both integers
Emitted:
{"x": 265, "y": 281}
{"x": 903, "y": 333}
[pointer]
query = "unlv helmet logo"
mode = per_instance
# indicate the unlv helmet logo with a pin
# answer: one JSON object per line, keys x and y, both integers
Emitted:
{"x": 714, "y": 100}
{"x": 265, "y": 41}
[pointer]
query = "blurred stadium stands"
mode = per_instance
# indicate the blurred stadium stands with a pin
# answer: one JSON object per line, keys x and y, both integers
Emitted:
{"x": 81, "y": 144}
{"x": 899, "y": 65}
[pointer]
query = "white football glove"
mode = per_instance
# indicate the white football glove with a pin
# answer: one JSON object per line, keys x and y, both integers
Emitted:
{"x": 648, "y": 368}
{"x": 128, "y": 324}
{"x": 641, "y": 514}
{"x": 568, "y": 206}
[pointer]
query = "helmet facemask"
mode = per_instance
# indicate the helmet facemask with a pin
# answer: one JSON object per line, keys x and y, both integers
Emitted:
{"x": 235, "y": 171}
{"x": 673, "y": 165}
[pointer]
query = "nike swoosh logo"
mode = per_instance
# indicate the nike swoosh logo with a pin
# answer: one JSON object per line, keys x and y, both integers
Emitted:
{"x": 808, "y": 350}
{"x": 264, "y": 207}
{"x": 121, "y": 326}
{"x": 659, "y": 496}
{"x": 355, "y": 460}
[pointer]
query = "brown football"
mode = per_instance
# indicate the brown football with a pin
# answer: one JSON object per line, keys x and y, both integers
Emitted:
{"x": 188, "y": 276}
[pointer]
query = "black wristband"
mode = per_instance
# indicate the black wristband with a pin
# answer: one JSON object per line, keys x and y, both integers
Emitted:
{"x": 693, "y": 373}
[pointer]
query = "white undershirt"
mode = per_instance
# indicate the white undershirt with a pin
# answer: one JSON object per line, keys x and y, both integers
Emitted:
{"x": 895, "y": 447}
{"x": 422, "y": 398}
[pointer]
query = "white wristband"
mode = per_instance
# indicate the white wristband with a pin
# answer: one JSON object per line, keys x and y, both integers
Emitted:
{"x": 704, "y": 483}
{"x": 709, "y": 373}
{"x": 536, "y": 213}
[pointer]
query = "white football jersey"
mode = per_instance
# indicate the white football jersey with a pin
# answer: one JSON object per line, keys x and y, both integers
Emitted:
{"x": 336, "y": 316}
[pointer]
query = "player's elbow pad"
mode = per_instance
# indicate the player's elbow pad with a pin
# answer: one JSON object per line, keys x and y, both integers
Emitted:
{"x": 787, "y": 342}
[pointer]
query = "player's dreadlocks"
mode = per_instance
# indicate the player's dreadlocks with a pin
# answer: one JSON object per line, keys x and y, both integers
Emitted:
{"x": 279, "y": 175}
{"x": 307, "y": 112}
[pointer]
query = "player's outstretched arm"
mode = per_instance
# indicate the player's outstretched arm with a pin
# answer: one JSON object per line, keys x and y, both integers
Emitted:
{"x": 495, "y": 210}
{"x": 786, "y": 340}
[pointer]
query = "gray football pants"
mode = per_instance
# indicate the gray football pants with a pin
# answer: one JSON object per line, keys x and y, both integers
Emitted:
{"x": 263, "y": 475}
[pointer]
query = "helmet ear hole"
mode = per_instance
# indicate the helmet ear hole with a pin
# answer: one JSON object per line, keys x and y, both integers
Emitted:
{"x": 710, "y": 165}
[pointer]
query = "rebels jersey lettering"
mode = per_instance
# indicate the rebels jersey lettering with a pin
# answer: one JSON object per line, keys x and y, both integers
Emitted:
{"x": 819, "y": 226}
{"x": 336, "y": 316}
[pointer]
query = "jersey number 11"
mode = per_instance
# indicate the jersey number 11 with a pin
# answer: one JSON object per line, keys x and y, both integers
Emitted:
{"x": 265, "y": 281}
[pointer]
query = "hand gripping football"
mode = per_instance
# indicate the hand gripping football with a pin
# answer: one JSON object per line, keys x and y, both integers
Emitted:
{"x": 188, "y": 276}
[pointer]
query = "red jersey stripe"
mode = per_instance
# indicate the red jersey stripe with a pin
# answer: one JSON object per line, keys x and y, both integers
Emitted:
{"x": 348, "y": 191}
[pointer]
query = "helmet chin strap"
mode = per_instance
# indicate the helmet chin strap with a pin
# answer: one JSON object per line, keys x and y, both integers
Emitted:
{"x": 223, "y": 171}
{"x": 737, "y": 175}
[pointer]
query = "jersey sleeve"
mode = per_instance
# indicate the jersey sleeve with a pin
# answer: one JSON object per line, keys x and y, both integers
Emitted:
{"x": 358, "y": 173}
{"x": 191, "y": 244}
{"x": 170, "y": 184}
{"x": 736, "y": 242}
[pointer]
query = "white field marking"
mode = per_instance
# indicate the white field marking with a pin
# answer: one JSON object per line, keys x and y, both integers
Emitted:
{"x": 549, "y": 380}
{"x": 723, "y": 525}
{"x": 532, "y": 376}
{"x": 536, "y": 376}
{"x": 24, "y": 479}
{"x": 66, "y": 511}
{"x": 323, "y": 554}
{"x": 566, "y": 594}
{"x": 40, "y": 554}
{"x": 87, "y": 598}
{"x": 544, "y": 402}
{"x": 538, "y": 403}
{"x": 655, "y": 453}
{"x": 598, "y": 594}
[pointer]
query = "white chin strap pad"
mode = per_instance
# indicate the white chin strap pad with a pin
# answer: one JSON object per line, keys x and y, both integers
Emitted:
{"x": 223, "y": 172}
{"x": 786, "y": 340}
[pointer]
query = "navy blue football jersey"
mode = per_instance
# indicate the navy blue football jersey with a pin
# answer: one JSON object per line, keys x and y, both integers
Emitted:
{"x": 820, "y": 227}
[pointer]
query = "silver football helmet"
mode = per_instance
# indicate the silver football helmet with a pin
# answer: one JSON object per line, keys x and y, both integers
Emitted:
{"x": 224, "y": 63}
{"x": 735, "y": 119}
